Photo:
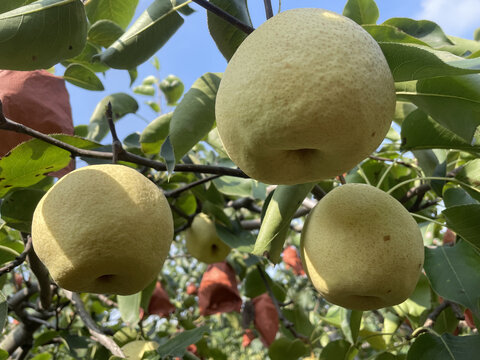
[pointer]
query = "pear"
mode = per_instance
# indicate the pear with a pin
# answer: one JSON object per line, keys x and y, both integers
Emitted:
{"x": 306, "y": 96}
{"x": 103, "y": 229}
{"x": 203, "y": 242}
{"x": 361, "y": 248}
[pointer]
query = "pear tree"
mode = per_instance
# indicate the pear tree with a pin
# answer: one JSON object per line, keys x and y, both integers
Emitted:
{"x": 316, "y": 199}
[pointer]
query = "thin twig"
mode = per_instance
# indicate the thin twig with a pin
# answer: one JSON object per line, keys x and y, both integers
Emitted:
{"x": 268, "y": 8}
{"x": 432, "y": 317}
{"x": 287, "y": 323}
{"x": 224, "y": 15}
{"x": 106, "y": 300}
{"x": 124, "y": 156}
{"x": 246, "y": 203}
{"x": 318, "y": 192}
{"x": 177, "y": 192}
{"x": 415, "y": 191}
{"x": 18, "y": 260}
{"x": 379, "y": 158}
{"x": 116, "y": 143}
{"x": 94, "y": 330}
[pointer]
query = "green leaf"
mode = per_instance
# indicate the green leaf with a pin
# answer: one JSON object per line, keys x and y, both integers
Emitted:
{"x": 27, "y": 44}
{"x": 81, "y": 130}
{"x": 18, "y": 206}
{"x": 453, "y": 101}
{"x": 374, "y": 338}
{"x": 334, "y": 316}
{"x": 464, "y": 220}
{"x": 31, "y": 161}
{"x": 454, "y": 273}
{"x": 446, "y": 321}
{"x": 470, "y": 174}
{"x": 3, "y": 311}
{"x": 351, "y": 324}
{"x": 285, "y": 201}
{"x": 299, "y": 316}
{"x": 391, "y": 34}
{"x": 234, "y": 186}
{"x": 145, "y": 37}
{"x": 361, "y": 11}
{"x": 155, "y": 133}
{"x": 146, "y": 294}
{"x": 122, "y": 104}
{"x": 7, "y": 254}
{"x": 335, "y": 350}
{"x": 44, "y": 356}
{"x": 143, "y": 89}
{"x": 457, "y": 196}
{"x": 83, "y": 77}
{"x": 3, "y": 354}
{"x": 177, "y": 345}
{"x": 419, "y": 302}
{"x": 7, "y": 5}
{"x": 427, "y": 31}
{"x": 45, "y": 337}
{"x": 120, "y": 12}
{"x": 168, "y": 154}
{"x": 419, "y": 131}
{"x": 85, "y": 59}
{"x": 226, "y": 36}
{"x": 286, "y": 349}
{"x": 172, "y": 87}
{"x": 194, "y": 117}
{"x": 461, "y": 47}
{"x": 104, "y": 33}
{"x": 446, "y": 347}
{"x": 129, "y": 307}
{"x": 391, "y": 323}
{"x": 255, "y": 285}
{"x": 409, "y": 61}
{"x": 236, "y": 238}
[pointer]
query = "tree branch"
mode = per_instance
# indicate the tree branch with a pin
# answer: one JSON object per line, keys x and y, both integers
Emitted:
{"x": 177, "y": 192}
{"x": 94, "y": 330}
{"x": 7, "y": 124}
{"x": 224, "y": 15}
{"x": 379, "y": 158}
{"x": 432, "y": 317}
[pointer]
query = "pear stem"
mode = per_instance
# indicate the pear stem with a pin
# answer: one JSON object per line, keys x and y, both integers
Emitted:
{"x": 116, "y": 143}
{"x": 268, "y": 9}
{"x": 224, "y": 15}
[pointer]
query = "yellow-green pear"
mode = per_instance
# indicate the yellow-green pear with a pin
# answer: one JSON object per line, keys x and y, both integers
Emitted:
{"x": 306, "y": 96}
{"x": 135, "y": 350}
{"x": 203, "y": 242}
{"x": 103, "y": 229}
{"x": 361, "y": 248}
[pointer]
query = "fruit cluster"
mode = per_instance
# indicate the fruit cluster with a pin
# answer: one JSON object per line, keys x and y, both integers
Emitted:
{"x": 306, "y": 97}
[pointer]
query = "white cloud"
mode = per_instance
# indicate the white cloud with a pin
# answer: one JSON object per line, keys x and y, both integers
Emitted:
{"x": 456, "y": 17}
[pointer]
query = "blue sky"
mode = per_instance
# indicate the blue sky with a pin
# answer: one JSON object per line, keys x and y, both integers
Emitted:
{"x": 191, "y": 52}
